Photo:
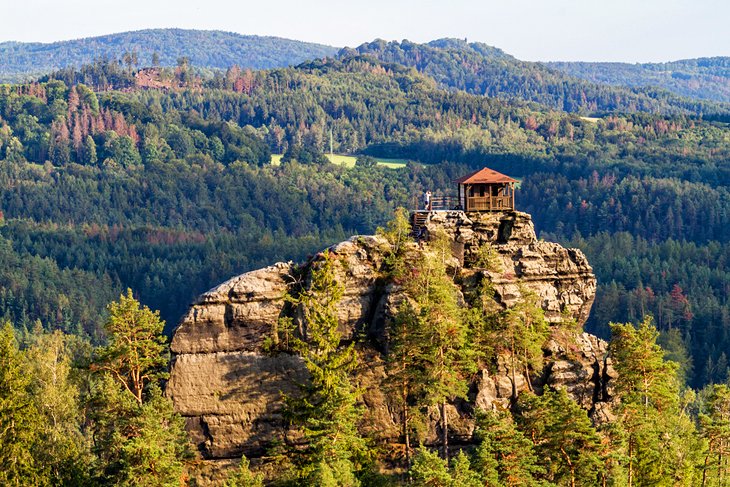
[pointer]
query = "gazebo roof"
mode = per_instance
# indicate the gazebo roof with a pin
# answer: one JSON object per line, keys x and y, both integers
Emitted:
{"x": 485, "y": 176}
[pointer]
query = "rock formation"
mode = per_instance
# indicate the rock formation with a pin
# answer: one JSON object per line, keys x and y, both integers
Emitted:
{"x": 229, "y": 389}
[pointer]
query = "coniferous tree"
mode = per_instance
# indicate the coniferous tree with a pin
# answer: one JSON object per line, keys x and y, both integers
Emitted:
{"x": 660, "y": 442}
{"x": 140, "y": 440}
{"x": 505, "y": 456}
{"x": 563, "y": 437}
{"x": 443, "y": 334}
{"x": 325, "y": 411}
{"x": 243, "y": 477}
{"x": 715, "y": 429}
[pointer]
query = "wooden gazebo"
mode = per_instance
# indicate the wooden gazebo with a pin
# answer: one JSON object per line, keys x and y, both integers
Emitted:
{"x": 486, "y": 190}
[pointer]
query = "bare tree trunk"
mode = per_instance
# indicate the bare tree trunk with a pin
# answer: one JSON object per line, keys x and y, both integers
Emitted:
{"x": 444, "y": 432}
{"x": 406, "y": 435}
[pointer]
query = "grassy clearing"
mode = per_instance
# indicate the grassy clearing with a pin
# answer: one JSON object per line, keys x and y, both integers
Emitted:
{"x": 590, "y": 119}
{"x": 349, "y": 161}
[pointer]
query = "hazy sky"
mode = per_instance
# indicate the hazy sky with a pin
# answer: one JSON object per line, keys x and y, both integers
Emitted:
{"x": 590, "y": 30}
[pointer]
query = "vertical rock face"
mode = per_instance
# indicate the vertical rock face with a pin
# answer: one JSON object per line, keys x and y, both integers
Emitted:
{"x": 229, "y": 389}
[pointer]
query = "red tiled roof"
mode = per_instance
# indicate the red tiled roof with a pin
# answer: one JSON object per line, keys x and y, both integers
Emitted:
{"x": 485, "y": 176}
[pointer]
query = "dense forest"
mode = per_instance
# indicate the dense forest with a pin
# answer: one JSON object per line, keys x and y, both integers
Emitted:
{"x": 705, "y": 78}
{"x": 107, "y": 185}
{"x": 153, "y": 187}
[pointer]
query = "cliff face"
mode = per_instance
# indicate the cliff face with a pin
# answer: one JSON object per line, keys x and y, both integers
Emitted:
{"x": 229, "y": 390}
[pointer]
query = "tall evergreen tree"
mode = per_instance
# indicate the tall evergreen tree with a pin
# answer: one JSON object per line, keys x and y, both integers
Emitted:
{"x": 505, "y": 456}
{"x": 140, "y": 440}
{"x": 715, "y": 429}
{"x": 443, "y": 336}
{"x": 325, "y": 410}
{"x": 660, "y": 442}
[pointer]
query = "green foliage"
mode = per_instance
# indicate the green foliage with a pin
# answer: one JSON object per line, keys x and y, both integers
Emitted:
{"x": 139, "y": 439}
{"x": 19, "y": 419}
{"x": 429, "y": 470}
{"x": 505, "y": 456}
{"x": 243, "y": 477}
{"x": 488, "y": 258}
{"x": 715, "y": 429}
{"x": 485, "y": 70}
{"x": 398, "y": 234}
{"x": 704, "y": 78}
{"x": 564, "y": 438}
{"x": 137, "y": 352}
{"x": 325, "y": 410}
{"x": 660, "y": 442}
{"x": 63, "y": 446}
{"x": 522, "y": 331}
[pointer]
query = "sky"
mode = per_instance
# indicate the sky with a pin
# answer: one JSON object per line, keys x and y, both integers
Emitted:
{"x": 534, "y": 30}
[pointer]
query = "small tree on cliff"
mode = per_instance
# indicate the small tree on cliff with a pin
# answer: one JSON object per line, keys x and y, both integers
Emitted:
{"x": 523, "y": 331}
{"x": 325, "y": 411}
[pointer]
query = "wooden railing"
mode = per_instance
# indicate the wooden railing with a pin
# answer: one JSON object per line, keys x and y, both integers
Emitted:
{"x": 477, "y": 203}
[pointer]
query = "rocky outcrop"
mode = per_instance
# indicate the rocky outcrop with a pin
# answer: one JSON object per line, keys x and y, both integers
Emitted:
{"x": 229, "y": 389}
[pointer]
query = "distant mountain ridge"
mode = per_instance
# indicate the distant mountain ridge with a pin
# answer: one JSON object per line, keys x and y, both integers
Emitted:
{"x": 485, "y": 70}
{"x": 204, "y": 48}
{"x": 706, "y": 78}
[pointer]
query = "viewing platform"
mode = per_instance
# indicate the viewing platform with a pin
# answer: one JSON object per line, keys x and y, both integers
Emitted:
{"x": 483, "y": 190}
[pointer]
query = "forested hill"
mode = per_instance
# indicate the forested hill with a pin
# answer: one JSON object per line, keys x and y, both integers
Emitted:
{"x": 210, "y": 49}
{"x": 484, "y": 70}
{"x": 705, "y": 78}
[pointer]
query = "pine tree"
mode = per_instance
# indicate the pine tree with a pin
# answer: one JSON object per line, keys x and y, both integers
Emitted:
{"x": 444, "y": 340}
{"x": 715, "y": 429}
{"x": 505, "y": 456}
{"x": 325, "y": 411}
{"x": 523, "y": 331}
{"x": 405, "y": 365}
{"x": 429, "y": 470}
{"x": 243, "y": 477}
{"x": 139, "y": 439}
{"x": 660, "y": 443}
{"x": 136, "y": 355}
{"x": 563, "y": 437}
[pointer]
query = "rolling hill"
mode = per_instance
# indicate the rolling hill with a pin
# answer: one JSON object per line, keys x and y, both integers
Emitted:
{"x": 484, "y": 70}
{"x": 209, "y": 49}
{"x": 705, "y": 78}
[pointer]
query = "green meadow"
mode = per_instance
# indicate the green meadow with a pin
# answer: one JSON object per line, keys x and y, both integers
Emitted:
{"x": 349, "y": 161}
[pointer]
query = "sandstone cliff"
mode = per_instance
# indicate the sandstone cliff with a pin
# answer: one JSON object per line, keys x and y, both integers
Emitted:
{"x": 229, "y": 390}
